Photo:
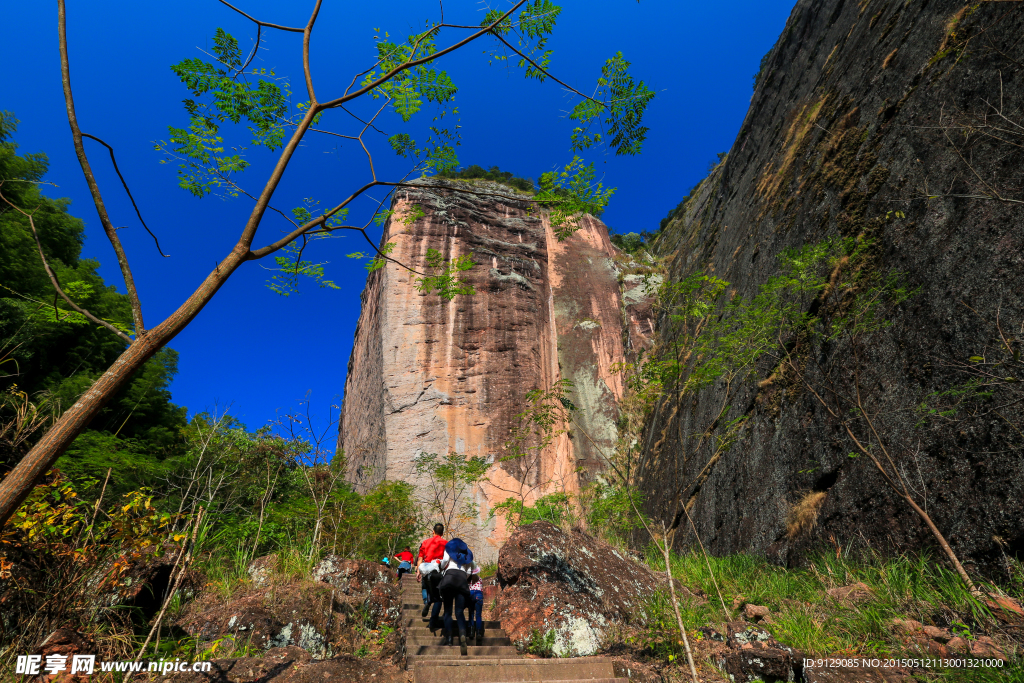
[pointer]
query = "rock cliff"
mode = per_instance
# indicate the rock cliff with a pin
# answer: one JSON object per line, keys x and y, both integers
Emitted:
{"x": 900, "y": 122}
{"x": 430, "y": 376}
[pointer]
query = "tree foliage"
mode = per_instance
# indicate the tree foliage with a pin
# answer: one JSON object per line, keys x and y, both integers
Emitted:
{"x": 51, "y": 353}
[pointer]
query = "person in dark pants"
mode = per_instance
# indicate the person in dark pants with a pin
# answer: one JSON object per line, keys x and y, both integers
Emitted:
{"x": 476, "y": 619}
{"x": 456, "y": 564}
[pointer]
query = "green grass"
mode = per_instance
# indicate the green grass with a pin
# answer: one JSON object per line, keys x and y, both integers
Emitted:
{"x": 804, "y": 617}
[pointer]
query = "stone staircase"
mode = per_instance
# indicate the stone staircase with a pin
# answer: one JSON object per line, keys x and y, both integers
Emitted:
{"x": 496, "y": 661}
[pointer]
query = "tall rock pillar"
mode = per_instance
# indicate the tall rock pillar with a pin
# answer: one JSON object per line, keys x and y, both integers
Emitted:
{"x": 430, "y": 376}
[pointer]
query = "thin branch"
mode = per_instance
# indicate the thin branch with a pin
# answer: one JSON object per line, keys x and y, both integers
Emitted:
{"x": 262, "y": 23}
{"x": 56, "y": 284}
{"x": 127, "y": 191}
{"x": 546, "y": 72}
{"x": 94, "y": 189}
{"x": 306, "y": 35}
{"x": 416, "y": 62}
{"x": 255, "y": 48}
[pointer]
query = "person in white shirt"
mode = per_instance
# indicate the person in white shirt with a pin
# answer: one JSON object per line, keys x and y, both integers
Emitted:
{"x": 454, "y": 590}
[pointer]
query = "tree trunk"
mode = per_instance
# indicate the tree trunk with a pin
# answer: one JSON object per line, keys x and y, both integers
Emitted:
{"x": 18, "y": 484}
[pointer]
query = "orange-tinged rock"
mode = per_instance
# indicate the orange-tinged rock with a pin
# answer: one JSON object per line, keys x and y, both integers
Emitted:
{"x": 433, "y": 376}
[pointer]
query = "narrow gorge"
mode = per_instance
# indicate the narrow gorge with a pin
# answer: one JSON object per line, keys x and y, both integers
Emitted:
{"x": 894, "y": 127}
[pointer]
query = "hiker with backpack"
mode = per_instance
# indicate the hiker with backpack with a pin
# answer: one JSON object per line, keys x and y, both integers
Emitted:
{"x": 456, "y": 565}
{"x": 428, "y": 573}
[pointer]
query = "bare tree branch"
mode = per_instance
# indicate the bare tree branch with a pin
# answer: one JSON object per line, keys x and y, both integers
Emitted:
{"x": 416, "y": 62}
{"x": 262, "y": 23}
{"x": 127, "y": 191}
{"x": 306, "y": 35}
{"x": 94, "y": 189}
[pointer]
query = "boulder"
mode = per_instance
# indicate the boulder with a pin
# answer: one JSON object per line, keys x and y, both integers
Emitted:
{"x": 262, "y": 569}
{"x": 850, "y": 595}
{"x": 350, "y": 576}
{"x": 139, "y": 581}
{"x": 759, "y": 664}
{"x": 318, "y": 614}
{"x": 907, "y": 626}
{"x": 986, "y": 648}
{"x": 958, "y": 646}
{"x": 936, "y": 633}
{"x": 1006, "y": 609}
{"x": 295, "y": 614}
{"x": 753, "y": 654}
{"x": 570, "y": 583}
{"x": 755, "y": 612}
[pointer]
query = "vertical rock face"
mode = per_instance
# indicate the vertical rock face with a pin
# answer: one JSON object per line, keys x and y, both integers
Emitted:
{"x": 871, "y": 119}
{"x": 430, "y": 376}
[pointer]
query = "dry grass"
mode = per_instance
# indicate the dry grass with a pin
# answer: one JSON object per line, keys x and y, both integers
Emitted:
{"x": 889, "y": 58}
{"x": 801, "y": 124}
{"x": 803, "y": 516}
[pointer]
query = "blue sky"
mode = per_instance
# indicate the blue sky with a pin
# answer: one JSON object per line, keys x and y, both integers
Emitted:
{"x": 261, "y": 353}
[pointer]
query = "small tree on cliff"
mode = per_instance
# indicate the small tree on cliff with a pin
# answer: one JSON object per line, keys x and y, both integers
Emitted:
{"x": 225, "y": 92}
{"x": 447, "y": 495}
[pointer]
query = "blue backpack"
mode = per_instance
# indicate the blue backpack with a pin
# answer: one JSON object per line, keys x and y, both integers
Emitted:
{"x": 459, "y": 552}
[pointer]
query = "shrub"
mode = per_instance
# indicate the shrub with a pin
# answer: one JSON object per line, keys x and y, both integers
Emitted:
{"x": 475, "y": 172}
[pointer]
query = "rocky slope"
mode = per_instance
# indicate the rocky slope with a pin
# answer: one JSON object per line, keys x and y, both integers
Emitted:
{"x": 430, "y": 376}
{"x": 900, "y": 122}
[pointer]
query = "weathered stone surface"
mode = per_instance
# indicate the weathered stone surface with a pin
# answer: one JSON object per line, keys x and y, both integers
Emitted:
{"x": 755, "y": 612}
{"x": 430, "y": 376}
{"x": 298, "y": 613}
{"x": 570, "y": 583}
{"x": 67, "y": 643}
{"x": 754, "y": 654}
{"x": 853, "y": 117}
{"x": 852, "y": 594}
{"x": 317, "y": 614}
{"x": 958, "y": 646}
{"x": 985, "y": 647}
{"x": 907, "y": 626}
{"x": 1006, "y": 609}
{"x": 350, "y": 576}
{"x": 936, "y": 633}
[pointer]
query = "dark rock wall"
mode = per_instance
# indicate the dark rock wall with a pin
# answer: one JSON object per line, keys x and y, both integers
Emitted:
{"x": 865, "y": 109}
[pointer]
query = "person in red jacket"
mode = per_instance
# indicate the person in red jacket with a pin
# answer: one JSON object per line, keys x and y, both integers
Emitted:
{"x": 431, "y": 551}
{"x": 404, "y": 562}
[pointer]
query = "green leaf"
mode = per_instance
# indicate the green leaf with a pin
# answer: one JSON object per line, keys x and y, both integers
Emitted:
{"x": 444, "y": 278}
{"x": 570, "y": 194}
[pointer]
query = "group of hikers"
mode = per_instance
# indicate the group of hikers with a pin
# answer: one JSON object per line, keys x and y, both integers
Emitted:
{"x": 449, "y": 579}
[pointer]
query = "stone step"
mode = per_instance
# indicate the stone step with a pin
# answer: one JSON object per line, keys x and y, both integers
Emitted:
{"x": 499, "y": 651}
{"x": 424, "y": 632}
{"x": 416, "y": 641}
{"x": 409, "y": 621}
{"x": 465, "y": 670}
{"x": 415, "y": 661}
